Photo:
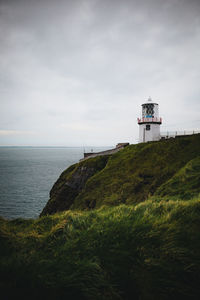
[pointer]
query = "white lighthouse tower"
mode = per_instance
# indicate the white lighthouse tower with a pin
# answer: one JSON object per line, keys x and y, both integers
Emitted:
{"x": 149, "y": 123}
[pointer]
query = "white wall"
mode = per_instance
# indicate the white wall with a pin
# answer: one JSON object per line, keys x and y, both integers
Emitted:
{"x": 149, "y": 135}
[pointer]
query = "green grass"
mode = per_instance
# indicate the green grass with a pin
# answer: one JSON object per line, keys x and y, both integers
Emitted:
{"x": 185, "y": 183}
{"x": 146, "y": 251}
{"x": 137, "y": 172}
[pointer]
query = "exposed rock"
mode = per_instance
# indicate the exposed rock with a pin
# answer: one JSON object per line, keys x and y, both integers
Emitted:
{"x": 71, "y": 183}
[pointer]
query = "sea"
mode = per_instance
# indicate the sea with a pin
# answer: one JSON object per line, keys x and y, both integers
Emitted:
{"x": 27, "y": 175}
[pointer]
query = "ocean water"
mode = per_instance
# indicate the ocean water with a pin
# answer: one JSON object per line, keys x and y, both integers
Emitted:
{"x": 28, "y": 173}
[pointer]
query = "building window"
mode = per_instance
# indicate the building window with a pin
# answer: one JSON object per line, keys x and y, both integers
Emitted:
{"x": 148, "y": 127}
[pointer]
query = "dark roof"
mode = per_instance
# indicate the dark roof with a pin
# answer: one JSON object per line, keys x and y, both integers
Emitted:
{"x": 149, "y": 103}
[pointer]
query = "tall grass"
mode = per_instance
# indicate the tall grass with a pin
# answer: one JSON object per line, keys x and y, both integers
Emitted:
{"x": 146, "y": 251}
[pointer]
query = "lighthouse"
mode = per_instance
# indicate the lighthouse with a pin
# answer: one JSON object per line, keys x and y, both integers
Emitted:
{"x": 149, "y": 123}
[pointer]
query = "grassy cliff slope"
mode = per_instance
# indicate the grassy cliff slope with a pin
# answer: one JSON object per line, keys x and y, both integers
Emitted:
{"x": 185, "y": 183}
{"x": 146, "y": 251}
{"x": 169, "y": 167}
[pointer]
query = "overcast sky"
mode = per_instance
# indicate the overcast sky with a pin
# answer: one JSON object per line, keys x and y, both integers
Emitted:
{"x": 75, "y": 73}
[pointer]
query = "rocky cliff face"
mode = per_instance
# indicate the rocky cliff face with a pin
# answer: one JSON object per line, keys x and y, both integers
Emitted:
{"x": 71, "y": 183}
{"x": 164, "y": 168}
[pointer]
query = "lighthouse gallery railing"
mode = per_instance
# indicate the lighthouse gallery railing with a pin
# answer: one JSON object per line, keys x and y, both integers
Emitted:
{"x": 152, "y": 120}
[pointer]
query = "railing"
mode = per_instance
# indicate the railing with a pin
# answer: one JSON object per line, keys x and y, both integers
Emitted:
{"x": 173, "y": 134}
{"x": 152, "y": 120}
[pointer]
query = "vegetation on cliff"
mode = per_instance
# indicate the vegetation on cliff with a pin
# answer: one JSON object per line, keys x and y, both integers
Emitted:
{"x": 141, "y": 240}
{"x": 146, "y": 251}
{"x": 169, "y": 167}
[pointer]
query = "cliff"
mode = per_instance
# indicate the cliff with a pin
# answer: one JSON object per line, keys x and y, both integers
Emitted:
{"x": 135, "y": 234}
{"x": 71, "y": 183}
{"x": 164, "y": 168}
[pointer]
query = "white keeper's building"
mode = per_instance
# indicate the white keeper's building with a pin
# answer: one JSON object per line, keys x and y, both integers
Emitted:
{"x": 149, "y": 123}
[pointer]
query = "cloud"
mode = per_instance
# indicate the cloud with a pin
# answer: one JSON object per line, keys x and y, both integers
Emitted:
{"x": 15, "y": 132}
{"x": 90, "y": 64}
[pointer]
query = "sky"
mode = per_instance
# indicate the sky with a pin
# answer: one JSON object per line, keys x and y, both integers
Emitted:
{"x": 75, "y": 73}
